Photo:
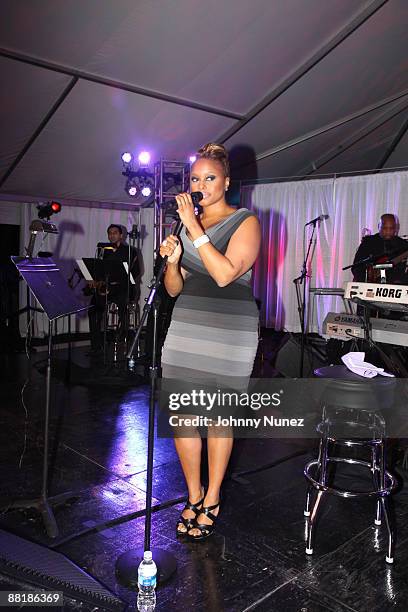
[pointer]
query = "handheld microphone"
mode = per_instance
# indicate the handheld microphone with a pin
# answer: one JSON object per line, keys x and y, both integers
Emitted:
{"x": 319, "y": 218}
{"x": 196, "y": 196}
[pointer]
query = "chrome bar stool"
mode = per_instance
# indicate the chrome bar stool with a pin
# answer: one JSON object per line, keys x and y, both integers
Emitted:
{"x": 351, "y": 417}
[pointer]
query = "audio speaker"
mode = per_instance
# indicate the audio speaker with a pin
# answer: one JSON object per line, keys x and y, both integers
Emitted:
{"x": 288, "y": 359}
{"x": 37, "y": 565}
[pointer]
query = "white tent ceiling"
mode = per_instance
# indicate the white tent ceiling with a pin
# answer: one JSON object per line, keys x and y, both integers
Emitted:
{"x": 303, "y": 86}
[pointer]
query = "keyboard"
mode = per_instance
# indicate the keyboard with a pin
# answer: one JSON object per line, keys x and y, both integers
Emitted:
{"x": 386, "y": 297}
{"x": 343, "y": 326}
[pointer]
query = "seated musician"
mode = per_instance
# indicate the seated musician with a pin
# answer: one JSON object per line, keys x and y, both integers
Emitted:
{"x": 115, "y": 292}
{"x": 384, "y": 245}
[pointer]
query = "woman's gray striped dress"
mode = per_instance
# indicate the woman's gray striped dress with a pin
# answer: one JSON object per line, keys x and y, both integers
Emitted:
{"x": 213, "y": 335}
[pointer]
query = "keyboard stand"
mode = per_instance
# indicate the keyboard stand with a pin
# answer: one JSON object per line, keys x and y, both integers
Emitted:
{"x": 394, "y": 364}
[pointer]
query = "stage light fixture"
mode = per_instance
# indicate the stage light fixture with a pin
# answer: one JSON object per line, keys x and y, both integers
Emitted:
{"x": 192, "y": 159}
{"x": 146, "y": 191}
{"x": 140, "y": 181}
{"x": 132, "y": 188}
{"x": 45, "y": 211}
{"x": 144, "y": 159}
{"x": 56, "y": 207}
{"x": 127, "y": 157}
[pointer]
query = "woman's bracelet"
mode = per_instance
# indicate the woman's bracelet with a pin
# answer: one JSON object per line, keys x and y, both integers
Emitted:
{"x": 200, "y": 241}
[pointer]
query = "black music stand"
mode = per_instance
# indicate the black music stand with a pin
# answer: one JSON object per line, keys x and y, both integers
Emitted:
{"x": 109, "y": 271}
{"x": 112, "y": 272}
{"x": 106, "y": 270}
{"x": 50, "y": 288}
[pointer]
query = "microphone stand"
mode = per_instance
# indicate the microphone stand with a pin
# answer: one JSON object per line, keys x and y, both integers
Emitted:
{"x": 127, "y": 564}
{"x": 301, "y": 297}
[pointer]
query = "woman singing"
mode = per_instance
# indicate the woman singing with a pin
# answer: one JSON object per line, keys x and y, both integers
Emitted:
{"x": 213, "y": 335}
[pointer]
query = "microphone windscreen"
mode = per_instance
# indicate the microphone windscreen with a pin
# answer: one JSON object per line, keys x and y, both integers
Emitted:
{"x": 196, "y": 196}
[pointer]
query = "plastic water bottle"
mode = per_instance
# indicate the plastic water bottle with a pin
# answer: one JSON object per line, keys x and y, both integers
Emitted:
{"x": 146, "y": 599}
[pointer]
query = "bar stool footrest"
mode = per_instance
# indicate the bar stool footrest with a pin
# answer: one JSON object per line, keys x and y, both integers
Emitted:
{"x": 341, "y": 492}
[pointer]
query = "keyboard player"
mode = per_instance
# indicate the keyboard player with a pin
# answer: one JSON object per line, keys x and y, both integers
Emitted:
{"x": 384, "y": 245}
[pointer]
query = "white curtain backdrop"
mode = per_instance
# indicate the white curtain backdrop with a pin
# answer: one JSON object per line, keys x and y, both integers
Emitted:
{"x": 352, "y": 203}
{"x": 80, "y": 229}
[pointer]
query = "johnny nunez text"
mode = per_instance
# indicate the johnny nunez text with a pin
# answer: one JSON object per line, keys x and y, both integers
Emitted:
{"x": 230, "y": 421}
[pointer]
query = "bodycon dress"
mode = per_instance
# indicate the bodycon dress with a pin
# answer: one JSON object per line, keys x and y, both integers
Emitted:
{"x": 213, "y": 335}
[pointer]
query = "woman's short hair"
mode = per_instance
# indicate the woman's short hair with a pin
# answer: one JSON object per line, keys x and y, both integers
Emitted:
{"x": 216, "y": 152}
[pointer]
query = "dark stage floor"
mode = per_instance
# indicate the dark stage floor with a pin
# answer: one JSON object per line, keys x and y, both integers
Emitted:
{"x": 255, "y": 561}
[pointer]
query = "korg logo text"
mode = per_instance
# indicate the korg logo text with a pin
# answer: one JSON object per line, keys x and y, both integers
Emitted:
{"x": 388, "y": 292}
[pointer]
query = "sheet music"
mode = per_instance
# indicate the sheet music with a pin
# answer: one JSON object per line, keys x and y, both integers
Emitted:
{"x": 85, "y": 272}
{"x": 132, "y": 280}
{"x": 87, "y": 276}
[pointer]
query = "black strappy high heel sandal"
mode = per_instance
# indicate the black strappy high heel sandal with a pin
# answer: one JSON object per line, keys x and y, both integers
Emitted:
{"x": 189, "y": 523}
{"x": 205, "y": 530}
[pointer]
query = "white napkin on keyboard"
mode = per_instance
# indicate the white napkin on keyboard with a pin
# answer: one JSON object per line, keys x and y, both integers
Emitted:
{"x": 354, "y": 361}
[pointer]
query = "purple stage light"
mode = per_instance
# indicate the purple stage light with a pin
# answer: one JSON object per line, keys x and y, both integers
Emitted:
{"x": 192, "y": 159}
{"x": 144, "y": 158}
{"x": 132, "y": 191}
{"x": 127, "y": 157}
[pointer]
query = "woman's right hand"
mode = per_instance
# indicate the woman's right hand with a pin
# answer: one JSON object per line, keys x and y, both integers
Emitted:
{"x": 171, "y": 247}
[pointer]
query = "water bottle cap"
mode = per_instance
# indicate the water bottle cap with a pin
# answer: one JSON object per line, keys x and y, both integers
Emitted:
{"x": 147, "y": 555}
